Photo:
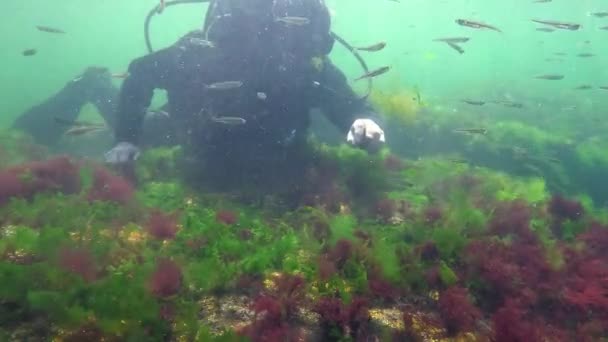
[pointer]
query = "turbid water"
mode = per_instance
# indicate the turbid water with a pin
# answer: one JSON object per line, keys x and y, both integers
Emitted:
{"x": 482, "y": 218}
{"x": 109, "y": 33}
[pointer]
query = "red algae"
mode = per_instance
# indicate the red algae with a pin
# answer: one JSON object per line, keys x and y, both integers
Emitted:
{"x": 166, "y": 280}
{"x": 565, "y": 209}
{"x": 161, "y": 226}
{"x": 26, "y": 180}
{"x": 457, "y": 311}
{"x": 78, "y": 261}
{"x": 394, "y": 163}
{"x": 275, "y": 309}
{"x": 432, "y": 214}
{"x": 110, "y": 187}
{"x": 351, "y": 320}
{"x": 385, "y": 210}
{"x": 226, "y": 217}
{"x": 511, "y": 324}
{"x": 513, "y": 218}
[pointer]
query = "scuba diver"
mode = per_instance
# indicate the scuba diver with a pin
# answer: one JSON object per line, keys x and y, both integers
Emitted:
{"x": 239, "y": 93}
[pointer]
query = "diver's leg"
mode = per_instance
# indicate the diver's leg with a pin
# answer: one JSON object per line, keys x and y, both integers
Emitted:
{"x": 41, "y": 121}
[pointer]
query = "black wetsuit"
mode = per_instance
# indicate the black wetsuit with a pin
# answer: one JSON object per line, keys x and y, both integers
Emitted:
{"x": 274, "y": 99}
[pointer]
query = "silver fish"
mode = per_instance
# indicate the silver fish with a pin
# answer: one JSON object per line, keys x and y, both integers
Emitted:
{"x": 49, "y": 29}
{"x": 157, "y": 113}
{"x": 558, "y": 24}
{"x": 201, "y": 42}
{"x": 456, "y": 47}
{"x": 551, "y": 77}
{"x": 225, "y": 85}
{"x": 452, "y": 39}
{"x": 474, "y": 102}
{"x": 371, "y": 48}
{"x": 374, "y": 73}
{"x": 600, "y": 14}
{"x": 81, "y": 130}
{"x": 229, "y": 120}
{"x": 296, "y": 21}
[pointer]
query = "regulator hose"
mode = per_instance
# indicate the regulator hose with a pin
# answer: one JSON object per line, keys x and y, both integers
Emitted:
{"x": 155, "y": 11}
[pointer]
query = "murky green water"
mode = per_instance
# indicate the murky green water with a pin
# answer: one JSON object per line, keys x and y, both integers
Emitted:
{"x": 484, "y": 218}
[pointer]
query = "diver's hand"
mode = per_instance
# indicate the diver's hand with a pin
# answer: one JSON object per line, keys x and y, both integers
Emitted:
{"x": 122, "y": 153}
{"x": 365, "y": 133}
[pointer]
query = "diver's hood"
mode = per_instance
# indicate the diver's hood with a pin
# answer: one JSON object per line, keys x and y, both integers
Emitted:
{"x": 239, "y": 22}
{"x": 320, "y": 38}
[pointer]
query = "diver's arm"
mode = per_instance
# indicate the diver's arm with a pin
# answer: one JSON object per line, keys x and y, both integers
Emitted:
{"x": 339, "y": 102}
{"x": 145, "y": 74}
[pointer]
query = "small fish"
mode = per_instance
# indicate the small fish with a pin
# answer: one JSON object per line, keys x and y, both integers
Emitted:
{"x": 372, "y": 48}
{"x": 201, "y": 42}
{"x": 545, "y": 29}
{"x": 121, "y": 75}
{"x": 229, "y": 120}
{"x": 296, "y": 21}
{"x": 50, "y": 29}
{"x": 456, "y": 47}
{"x": 552, "y": 77}
{"x": 157, "y": 113}
{"x": 161, "y": 7}
{"x": 585, "y": 54}
{"x": 481, "y": 131}
{"x": 77, "y": 128}
{"x": 452, "y": 40}
{"x": 374, "y": 73}
{"x": 418, "y": 98}
{"x": 72, "y": 123}
{"x": 458, "y": 161}
{"x": 225, "y": 85}
{"x": 600, "y": 14}
{"x": 542, "y": 1}
{"x": 603, "y": 87}
{"x": 289, "y": 138}
{"x": 29, "y": 52}
{"x": 558, "y": 24}
{"x": 476, "y": 24}
{"x": 553, "y": 160}
{"x": 584, "y": 87}
{"x": 560, "y": 54}
{"x": 510, "y": 104}
{"x": 605, "y": 28}
{"x": 81, "y": 130}
{"x": 474, "y": 102}
{"x": 554, "y": 60}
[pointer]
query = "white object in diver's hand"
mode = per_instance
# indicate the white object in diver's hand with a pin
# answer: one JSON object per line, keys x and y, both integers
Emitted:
{"x": 123, "y": 152}
{"x": 365, "y": 131}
